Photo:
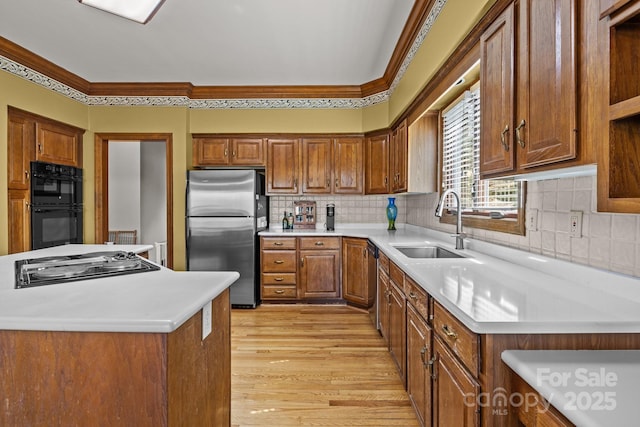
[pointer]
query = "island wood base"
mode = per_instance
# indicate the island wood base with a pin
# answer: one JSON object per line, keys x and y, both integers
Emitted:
{"x": 119, "y": 379}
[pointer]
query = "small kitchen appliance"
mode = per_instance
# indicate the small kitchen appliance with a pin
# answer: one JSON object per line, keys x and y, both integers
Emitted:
{"x": 70, "y": 268}
{"x": 331, "y": 212}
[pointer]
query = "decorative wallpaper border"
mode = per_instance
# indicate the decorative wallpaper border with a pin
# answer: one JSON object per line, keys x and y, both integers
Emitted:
{"x": 259, "y": 103}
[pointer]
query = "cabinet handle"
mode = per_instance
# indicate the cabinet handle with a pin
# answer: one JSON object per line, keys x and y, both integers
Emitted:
{"x": 26, "y": 175}
{"x": 278, "y": 243}
{"x": 279, "y": 261}
{"x": 386, "y": 180}
{"x": 295, "y": 182}
{"x": 278, "y": 279}
{"x": 431, "y": 365}
{"x": 27, "y": 206}
{"x": 328, "y": 183}
{"x": 518, "y": 138}
{"x": 503, "y": 141}
{"x": 233, "y": 153}
{"x": 39, "y": 147}
{"x": 336, "y": 182}
{"x": 279, "y": 291}
{"x": 226, "y": 152}
{"x": 412, "y": 295}
{"x": 423, "y": 352}
{"x": 302, "y": 262}
{"x": 319, "y": 243}
{"x": 364, "y": 253}
{"x": 449, "y": 333}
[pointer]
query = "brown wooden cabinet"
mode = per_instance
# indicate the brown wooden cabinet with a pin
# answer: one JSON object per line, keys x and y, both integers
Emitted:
{"x": 419, "y": 365}
{"x": 357, "y": 289}
{"x": 455, "y": 392}
{"x": 332, "y": 165}
{"x": 233, "y": 151}
{"x": 19, "y": 235}
{"x": 283, "y": 166}
{"x": 319, "y": 267}
{"x": 21, "y": 151}
{"x": 540, "y": 414}
{"x": 119, "y": 378}
{"x": 530, "y": 50}
{"x": 58, "y": 143}
{"x": 317, "y": 159}
{"x": 618, "y": 156}
{"x": 278, "y": 268}
{"x": 397, "y": 321}
{"x": 377, "y": 164}
{"x": 398, "y": 157}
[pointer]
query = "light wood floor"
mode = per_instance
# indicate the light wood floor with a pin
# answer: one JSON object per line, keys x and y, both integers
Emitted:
{"x": 303, "y": 365}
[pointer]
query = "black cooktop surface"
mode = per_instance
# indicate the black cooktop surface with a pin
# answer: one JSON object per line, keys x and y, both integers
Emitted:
{"x": 70, "y": 268}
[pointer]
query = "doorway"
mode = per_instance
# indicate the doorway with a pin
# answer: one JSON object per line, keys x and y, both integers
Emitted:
{"x": 102, "y": 142}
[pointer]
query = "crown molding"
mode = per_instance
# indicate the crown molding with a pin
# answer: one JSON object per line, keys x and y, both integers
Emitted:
{"x": 21, "y": 62}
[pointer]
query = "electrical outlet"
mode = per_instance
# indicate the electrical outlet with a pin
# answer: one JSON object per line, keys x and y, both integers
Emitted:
{"x": 206, "y": 320}
{"x": 532, "y": 220}
{"x": 575, "y": 223}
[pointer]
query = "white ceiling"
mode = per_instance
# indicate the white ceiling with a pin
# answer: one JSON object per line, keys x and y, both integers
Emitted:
{"x": 215, "y": 42}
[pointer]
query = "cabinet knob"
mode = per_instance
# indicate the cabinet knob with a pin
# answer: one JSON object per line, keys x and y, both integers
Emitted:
{"x": 233, "y": 154}
{"x": 226, "y": 152}
{"x": 26, "y": 175}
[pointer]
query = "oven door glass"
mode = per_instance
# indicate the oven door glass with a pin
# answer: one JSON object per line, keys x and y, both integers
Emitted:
{"x": 53, "y": 226}
{"x": 55, "y": 190}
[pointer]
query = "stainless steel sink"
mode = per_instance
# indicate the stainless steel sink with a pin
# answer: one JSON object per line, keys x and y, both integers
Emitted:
{"x": 427, "y": 252}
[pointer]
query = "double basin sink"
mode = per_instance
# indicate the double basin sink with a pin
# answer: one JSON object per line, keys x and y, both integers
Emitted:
{"x": 427, "y": 252}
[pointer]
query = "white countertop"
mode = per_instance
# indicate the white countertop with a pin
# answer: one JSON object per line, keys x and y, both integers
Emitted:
{"x": 590, "y": 388}
{"x": 496, "y": 289}
{"x": 156, "y": 301}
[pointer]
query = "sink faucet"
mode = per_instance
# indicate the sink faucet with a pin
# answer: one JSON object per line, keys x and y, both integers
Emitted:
{"x": 459, "y": 234}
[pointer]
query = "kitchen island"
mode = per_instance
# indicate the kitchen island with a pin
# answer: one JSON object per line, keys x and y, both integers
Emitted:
{"x": 146, "y": 349}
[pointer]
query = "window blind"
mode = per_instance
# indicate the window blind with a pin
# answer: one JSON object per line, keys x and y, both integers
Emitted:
{"x": 461, "y": 160}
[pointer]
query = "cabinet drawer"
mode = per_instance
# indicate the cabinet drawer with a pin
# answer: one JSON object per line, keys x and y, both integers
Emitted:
{"x": 279, "y": 292}
{"x": 268, "y": 243}
{"x": 460, "y": 340}
{"x": 310, "y": 243}
{"x": 383, "y": 261}
{"x": 417, "y": 297}
{"x": 396, "y": 275}
{"x": 279, "y": 278}
{"x": 279, "y": 262}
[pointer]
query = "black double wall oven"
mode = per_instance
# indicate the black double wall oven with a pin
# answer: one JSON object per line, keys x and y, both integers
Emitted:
{"x": 56, "y": 205}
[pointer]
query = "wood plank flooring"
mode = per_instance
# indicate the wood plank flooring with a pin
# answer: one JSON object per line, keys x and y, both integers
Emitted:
{"x": 306, "y": 365}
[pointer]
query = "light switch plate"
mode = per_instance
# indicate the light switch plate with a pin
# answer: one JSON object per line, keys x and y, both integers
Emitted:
{"x": 532, "y": 220}
{"x": 206, "y": 320}
{"x": 575, "y": 223}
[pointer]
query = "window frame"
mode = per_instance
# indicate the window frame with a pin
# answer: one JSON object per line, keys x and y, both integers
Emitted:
{"x": 511, "y": 224}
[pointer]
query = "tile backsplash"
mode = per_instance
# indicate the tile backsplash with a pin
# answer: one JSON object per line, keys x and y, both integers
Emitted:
{"x": 609, "y": 241}
{"x": 349, "y": 209}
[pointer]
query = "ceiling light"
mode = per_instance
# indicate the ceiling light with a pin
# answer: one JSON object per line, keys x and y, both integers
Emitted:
{"x": 137, "y": 10}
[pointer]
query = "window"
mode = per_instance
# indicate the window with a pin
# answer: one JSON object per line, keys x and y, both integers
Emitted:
{"x": 482, "y": 201}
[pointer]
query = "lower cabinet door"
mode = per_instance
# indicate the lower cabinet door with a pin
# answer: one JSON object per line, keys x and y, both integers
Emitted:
{"x": 419, "y": 365}
{"x": 320, "y": 274}
{"x": 455, "y": 391}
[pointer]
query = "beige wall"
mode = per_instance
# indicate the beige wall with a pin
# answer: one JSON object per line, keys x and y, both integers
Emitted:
{"x": 455, "y": 20}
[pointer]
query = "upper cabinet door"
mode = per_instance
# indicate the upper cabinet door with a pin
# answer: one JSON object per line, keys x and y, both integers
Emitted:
{"x": 497, "y": 95}
{"x": 58, "y": 144}
{"x": 317, "y": 154}
{"x": 377, "y": 164}
{"x": 283, "y": 166}
{"x": 210, "y": 151}
{"x": 347, "y": 166}
{"x": 247, "y": 152}
{"x": 20, "y": 151}
{"x": 546, "y": 122}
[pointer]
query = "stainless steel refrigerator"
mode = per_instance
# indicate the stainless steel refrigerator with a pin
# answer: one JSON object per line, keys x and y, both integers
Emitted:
{"x": 225, "y": 211}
